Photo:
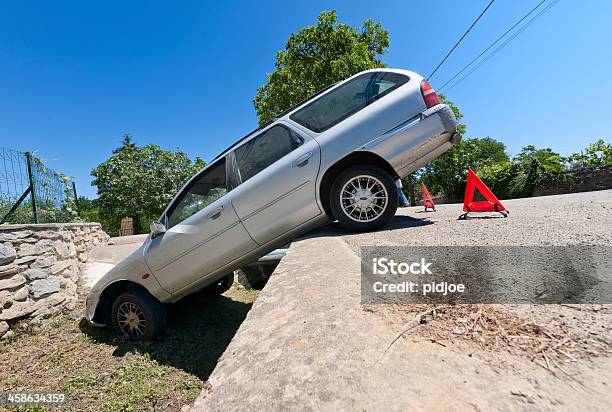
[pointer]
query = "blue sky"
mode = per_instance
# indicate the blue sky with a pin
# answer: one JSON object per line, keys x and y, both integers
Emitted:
{"x": 77, "y": 75}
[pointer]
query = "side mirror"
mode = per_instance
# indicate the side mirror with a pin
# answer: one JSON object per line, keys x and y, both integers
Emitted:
{"x": 157, "y": 229}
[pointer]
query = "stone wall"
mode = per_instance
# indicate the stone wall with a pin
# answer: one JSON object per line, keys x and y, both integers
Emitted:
{"x": 40, "y": 268}
{"x": 583, "y": 180}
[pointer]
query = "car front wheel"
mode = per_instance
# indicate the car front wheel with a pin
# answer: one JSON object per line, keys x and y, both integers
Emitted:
{"x": 363, "y": 198}
{"x": 139, "y": 316}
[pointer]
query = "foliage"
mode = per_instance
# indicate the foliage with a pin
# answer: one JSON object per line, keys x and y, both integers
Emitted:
{"x": 23, "y": 213}
{"x": 316, "y": 57}
{"x": 447, "y": 174}
{"x": 550, "y": 160}
{"x": 89, "y": 209}
{"x": 518, "y": 177}
{"x": 595, "y": 155}
{"x": 139, "y": 182}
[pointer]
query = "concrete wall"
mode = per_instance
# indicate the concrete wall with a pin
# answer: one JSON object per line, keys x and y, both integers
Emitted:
{"x": 40, "y": 268}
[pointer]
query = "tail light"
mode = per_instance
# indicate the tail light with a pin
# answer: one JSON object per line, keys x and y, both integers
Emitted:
{"x": 429, "y": 94}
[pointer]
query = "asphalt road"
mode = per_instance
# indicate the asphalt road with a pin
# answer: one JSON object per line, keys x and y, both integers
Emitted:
{"x": 576, "y": 219}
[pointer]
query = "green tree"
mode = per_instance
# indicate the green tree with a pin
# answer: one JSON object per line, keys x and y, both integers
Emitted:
{"x": 530, "y": 168}
{"x": 316, "y": 57}
{"x": 448, "y": 174}
{"x": 139, "y": 182}
{"x": 88, "y": 209}
{"x": 595, "y": 155}
{"x": 551, "y": 161}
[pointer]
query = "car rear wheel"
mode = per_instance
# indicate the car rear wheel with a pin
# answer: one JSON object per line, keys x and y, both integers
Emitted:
{"x": 139, "y": 316}
{"x": 363, "y": 198}
{"x": 220, "y": 286}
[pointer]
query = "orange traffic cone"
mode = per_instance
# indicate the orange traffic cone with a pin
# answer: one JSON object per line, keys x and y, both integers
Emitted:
{"x": 427, "y": 199}
{"x": 491, "y": 204}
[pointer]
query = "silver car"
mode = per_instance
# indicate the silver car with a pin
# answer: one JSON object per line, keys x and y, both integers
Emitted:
{"x": 339, "y": 155}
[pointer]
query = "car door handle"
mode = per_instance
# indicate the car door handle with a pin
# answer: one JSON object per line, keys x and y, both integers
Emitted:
{"x": 302, "y": 160}
{"x": 213, "y": 214}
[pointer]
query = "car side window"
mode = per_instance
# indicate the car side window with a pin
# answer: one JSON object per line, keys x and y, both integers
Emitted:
{"x": 347, "y": 99}
{"x": 265, "y": 149}
{"x": 202, "y": 191}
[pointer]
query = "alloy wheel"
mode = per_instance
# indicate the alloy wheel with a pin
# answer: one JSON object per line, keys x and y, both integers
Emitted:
{"x": 131, "y": 320}
{"x": 364, "y": 198}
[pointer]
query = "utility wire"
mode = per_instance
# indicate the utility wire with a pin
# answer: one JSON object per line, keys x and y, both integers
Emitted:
{"x": 491, "y": 45}
{"x": 500, "y": 47}
{"x": 462, "y": 37}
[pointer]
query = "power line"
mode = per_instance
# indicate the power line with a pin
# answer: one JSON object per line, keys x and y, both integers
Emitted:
{"x": 462, "y": 37}
{"x": 491, "y": 45}
{"x": 494, "y": 52}
{"x": 500, "y": 47}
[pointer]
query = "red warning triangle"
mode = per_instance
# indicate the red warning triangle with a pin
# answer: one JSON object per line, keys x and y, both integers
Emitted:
{"x": 491, "y": 204}
{"x": 427, "y": 199}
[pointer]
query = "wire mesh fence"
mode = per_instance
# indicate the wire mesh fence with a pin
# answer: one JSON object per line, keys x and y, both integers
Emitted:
{"x": 30, "y": 192}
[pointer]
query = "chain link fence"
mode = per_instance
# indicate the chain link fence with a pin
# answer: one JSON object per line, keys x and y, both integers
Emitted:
{"x": 30, "y": 192}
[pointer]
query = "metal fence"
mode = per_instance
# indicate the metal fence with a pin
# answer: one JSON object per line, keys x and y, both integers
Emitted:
{"x": 30, "y": 192}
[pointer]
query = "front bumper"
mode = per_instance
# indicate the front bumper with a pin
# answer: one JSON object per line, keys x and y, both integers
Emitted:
{"x": 91, "y": 304}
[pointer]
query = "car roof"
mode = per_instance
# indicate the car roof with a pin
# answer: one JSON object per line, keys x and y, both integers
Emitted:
{"x": 296, "y": 107}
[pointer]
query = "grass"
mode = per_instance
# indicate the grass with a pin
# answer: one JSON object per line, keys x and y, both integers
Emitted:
{"x": 98, "y": 371}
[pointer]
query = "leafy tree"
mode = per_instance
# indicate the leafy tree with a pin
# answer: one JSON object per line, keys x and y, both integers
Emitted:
{"x": 530, "y": 168}
{"x": 316, "y": 57}
{"x": 551, "y": 161}
{"x": 595, "y": 155}
{"x": 88, "y": 209}
{"x": 138, "y": 182}
{"x": 448, "y": 174}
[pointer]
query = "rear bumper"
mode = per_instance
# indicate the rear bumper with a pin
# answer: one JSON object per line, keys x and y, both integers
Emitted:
{"x": 418, "y": 141}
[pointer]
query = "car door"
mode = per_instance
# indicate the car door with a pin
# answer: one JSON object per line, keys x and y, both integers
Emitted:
{"x": 277, "y": 171}
{"x": 203, "y": 232}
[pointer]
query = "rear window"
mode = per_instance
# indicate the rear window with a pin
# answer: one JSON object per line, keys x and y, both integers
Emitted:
{"x": 265, "y": 149}
{"x": 347, "y": 99}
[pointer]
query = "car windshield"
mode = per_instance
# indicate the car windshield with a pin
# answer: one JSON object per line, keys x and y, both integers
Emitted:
{"x": 347, "y": 99}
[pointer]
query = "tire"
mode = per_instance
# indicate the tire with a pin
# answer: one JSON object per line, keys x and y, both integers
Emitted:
{"x": 372, "y": 207}
{"x": 220, "y": 286}
{"x": 139, "y": 306}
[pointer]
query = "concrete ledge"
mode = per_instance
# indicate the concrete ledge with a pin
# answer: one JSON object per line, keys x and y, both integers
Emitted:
{"x": 285, "y": 355}
{"x": 307, "y": 344}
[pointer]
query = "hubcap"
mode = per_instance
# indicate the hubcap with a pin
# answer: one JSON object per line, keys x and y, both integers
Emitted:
{"x": 363, "y": 198}
{"x": 131, "y": 319}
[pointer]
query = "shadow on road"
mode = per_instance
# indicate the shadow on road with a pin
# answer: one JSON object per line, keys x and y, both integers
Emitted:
{"x": 199, "y": 331}
{"x": 398, "y": 222}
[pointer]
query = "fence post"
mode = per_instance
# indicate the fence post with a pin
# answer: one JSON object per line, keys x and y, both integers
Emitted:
{"x": 32, "y": 187}
{"x": 76, "y": 199}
